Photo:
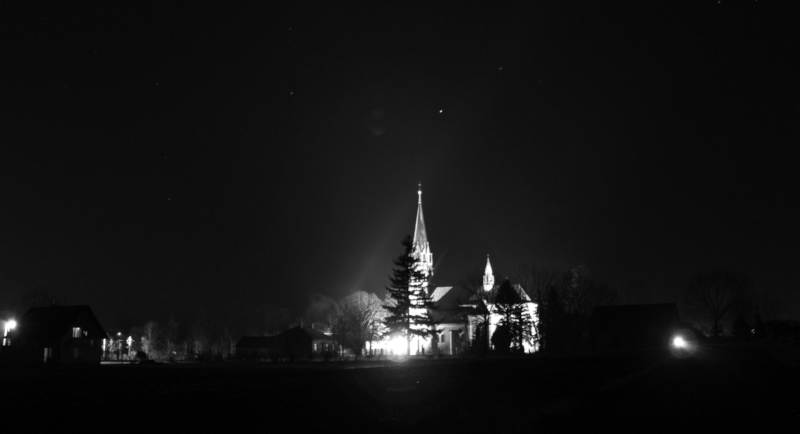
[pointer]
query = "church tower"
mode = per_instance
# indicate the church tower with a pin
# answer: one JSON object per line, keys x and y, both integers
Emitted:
{"x": 422, "y": 250}
{"x": 488, "y": 277}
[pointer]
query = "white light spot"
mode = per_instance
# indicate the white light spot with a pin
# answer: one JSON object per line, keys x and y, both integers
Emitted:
{"x": 291, "y": 93}
{"x": 501, "y": 68}
{"x": 441, "y": 111}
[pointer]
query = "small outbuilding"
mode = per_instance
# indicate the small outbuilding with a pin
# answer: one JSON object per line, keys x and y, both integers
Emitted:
{"x": 634, "y": 326}
{"x": 301, "y": 342}
{"x": 58, "y": 334}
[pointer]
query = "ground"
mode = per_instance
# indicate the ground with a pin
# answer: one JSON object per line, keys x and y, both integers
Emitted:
{"x": 745, "y": 387}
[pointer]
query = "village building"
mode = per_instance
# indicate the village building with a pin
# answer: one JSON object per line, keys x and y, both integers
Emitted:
{"x": 460, "y": 311}
{"x": 303, "y": 342}
{"x": 57, "y": 334}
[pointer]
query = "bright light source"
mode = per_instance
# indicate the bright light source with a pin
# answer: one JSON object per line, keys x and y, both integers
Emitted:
{"x": 678, "y": 342}
{"x": 11, "y": 324}
{"x": 398, "y": 346}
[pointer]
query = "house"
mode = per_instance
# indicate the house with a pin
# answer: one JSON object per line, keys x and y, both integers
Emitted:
{"x": 301, "y": 342}
{"x": 58, "y": 334}
{"x": 633, "y": 326}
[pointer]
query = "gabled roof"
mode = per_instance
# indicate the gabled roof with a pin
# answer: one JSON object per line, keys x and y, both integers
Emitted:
{"x": 54, "y": 322}
{"x": 440, "y": 292}
{"x": 452, "y": 302}
{"x": 640, "y": 316}
{"x": 521, "y": 292}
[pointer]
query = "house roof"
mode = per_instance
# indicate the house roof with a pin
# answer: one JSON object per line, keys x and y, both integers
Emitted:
{"x": 53, "y": 322}
{"x": 605, "y": 318}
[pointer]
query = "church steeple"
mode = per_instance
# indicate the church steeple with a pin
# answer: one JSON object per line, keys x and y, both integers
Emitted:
{"x": 488, "y": 277}
{"x": 422, "y": 250}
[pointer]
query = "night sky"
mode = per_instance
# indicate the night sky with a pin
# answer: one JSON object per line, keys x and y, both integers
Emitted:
{"x": 156, "y": 161}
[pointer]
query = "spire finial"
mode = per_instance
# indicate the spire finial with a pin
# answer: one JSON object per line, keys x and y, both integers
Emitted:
{"x": 419, "y": 192}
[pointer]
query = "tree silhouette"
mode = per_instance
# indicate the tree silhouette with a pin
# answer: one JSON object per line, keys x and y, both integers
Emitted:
{"x": 716, "y": 294}
{"x": 515, "y": 319}
{"x": 408, "y": 293}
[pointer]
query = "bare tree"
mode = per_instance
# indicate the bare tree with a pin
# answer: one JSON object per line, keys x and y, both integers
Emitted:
{"x": 149, "y": 338}
{"x": 365, "y": 310}
{"x": 716, "y": 294}
{"x": 580, "y": 293}
{"x": 170, "y": 338}
{"x": 355, "y": 320}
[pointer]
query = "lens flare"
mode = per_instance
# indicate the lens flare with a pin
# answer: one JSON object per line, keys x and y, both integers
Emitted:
{"x": 683, "y": 344}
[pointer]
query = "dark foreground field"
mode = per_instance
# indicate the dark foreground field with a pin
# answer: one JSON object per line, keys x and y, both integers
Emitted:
{"x": 729, "y": 386}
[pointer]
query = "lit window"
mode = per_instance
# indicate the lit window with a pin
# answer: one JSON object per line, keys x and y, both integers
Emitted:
{"x": 76, "y": 332}
{"x": 48, "y": 353}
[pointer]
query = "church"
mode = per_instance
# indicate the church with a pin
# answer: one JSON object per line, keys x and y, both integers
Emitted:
{"x": 460, "y": 311}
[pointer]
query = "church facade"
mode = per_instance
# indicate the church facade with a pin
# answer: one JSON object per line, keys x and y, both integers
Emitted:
{"x": 460, "y": 311}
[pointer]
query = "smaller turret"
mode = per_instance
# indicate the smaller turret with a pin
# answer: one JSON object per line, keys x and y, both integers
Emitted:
{"x": 488, "y": 277}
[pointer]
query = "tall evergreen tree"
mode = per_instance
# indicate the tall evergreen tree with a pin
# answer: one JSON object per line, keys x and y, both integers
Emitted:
{"x": 516, "y": 319}
{"x": 428, "y": 321}
{"x": 409, "y": 295}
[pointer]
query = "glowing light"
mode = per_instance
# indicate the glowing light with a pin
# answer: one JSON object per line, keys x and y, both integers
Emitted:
{"x": 11, "y": 324}
{"x": 398, "y": 346}
{"x": 678, "y": 342}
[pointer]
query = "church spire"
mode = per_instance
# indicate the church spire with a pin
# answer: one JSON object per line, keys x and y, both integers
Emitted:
{"x": 422, "y": 250}
{"x": 488, "y": 277}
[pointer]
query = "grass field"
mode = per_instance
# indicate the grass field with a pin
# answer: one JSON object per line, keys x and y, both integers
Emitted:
{"x": 739, "y": 387}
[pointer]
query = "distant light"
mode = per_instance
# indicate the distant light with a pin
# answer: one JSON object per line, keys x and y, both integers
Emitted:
{"x": 119, "y": 334}
{"x": 441, "y": 111}
{"x": 678, "y": 342}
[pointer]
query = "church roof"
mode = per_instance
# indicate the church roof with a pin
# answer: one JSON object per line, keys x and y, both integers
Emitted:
{"x": 452, "y": 302}
{"x": 420, "y": 234}
{"x": 520, "y": 292}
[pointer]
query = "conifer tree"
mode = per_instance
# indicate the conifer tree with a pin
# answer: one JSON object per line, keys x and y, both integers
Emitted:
{"x": 408, "y": 292}
{"x": 428, "y": 320}
{"x": 516, "y": 321}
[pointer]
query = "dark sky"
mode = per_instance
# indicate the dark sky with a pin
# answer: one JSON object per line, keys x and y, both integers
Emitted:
{"x": 159, "y": 160}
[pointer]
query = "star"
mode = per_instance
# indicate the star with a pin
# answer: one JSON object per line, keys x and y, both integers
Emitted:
{"x": 441, "y": 111}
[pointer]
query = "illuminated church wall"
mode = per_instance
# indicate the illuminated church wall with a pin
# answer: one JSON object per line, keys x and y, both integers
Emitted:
{"x": 456, "y": 335}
